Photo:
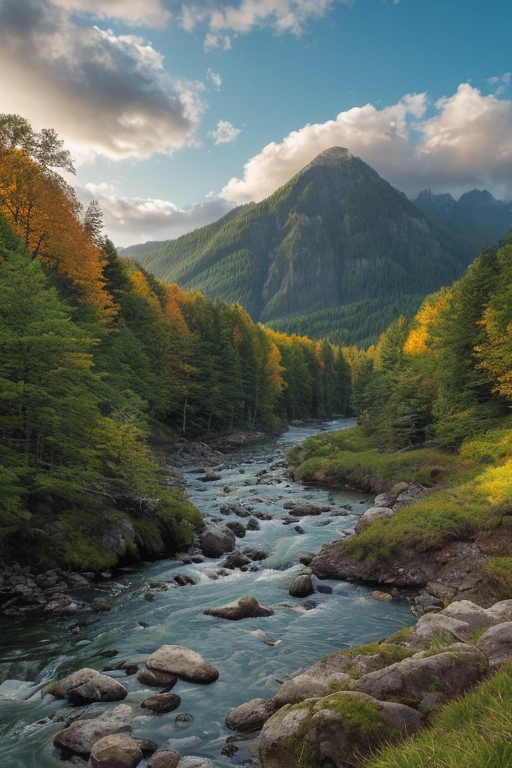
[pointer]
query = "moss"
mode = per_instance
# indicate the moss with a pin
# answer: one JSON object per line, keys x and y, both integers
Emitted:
{"x": 402, "y": 636}
{"x": 499, "y": 572}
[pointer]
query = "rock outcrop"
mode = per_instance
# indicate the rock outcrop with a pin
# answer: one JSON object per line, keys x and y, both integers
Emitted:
{"x": 244, "y": 608}
{"x": 183, "y": 663}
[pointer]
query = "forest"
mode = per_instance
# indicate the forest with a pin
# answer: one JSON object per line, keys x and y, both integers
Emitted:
{"x": 102, "y": 365}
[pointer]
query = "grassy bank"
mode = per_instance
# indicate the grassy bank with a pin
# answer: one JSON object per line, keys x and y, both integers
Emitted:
{"x": 469, "y": 492}
{"x": 471, "y": 733}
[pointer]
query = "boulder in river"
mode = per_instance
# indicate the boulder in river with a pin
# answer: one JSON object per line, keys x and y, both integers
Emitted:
{"x": 79, "y": 738}
{"x": 164, "y": 758}
{"x": 87, "y": 685}
{"x": 303, "y": 508}
{"x": 184, "y": 663}
{"x": 237, "y": 528}
{"x": 117, "y": 751}
{"x": 215, "y": 541}
{"x": 250, "y": 716}
{"x": 244, "y": 608}
{"x": 161, "y": 703}
{"x": 235, "y": 559}
{"x": 301, "y": 586}
{"x": 156, "y": 678}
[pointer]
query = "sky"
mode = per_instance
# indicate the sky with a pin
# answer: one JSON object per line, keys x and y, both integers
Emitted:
{"x": 175, "y": 112}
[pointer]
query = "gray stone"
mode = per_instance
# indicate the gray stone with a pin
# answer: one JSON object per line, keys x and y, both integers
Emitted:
{"x": 301, "y": 586}
{"x": 244, "y": 608}
{"x": 250, "y": 716}
{"x": 371, "y": 515}
{"x": 156, "y": 678}
{"x": 117, "y": 751}
{"x": 161, "y": 703}
{"x": 80, "y": 737}
{"x": 87, "y": 685}
{"x": 382, "y": 500}
{"x": 472, "y": 614}
{"x": 237, "y": 528}
{"x": 164, "y": 758}
{"x": 449, "y": 673}
{"x": 301, "y": 687}
{"x": 501, "y": 611}
{"x": 184, "y": 663}
{"x": 442, "y": 626}
{"x": 496, "y": 643}
{"x": 215, "y": 541}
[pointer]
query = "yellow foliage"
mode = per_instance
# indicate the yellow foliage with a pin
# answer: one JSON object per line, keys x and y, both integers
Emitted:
{"x": 428, "y": 313}
{"x": 496, "y": 483}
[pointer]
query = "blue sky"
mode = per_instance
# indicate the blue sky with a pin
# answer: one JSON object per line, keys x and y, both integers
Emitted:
{"x": 177, "y": 111}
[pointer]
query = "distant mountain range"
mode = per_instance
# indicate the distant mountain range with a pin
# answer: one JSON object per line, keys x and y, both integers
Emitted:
{"x": 337, "y": 251}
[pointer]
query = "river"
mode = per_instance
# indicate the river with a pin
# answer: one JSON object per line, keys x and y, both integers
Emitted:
{"x": 253, "y": 655}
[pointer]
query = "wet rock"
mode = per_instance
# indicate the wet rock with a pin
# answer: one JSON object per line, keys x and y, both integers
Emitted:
{"x": 182, "y": 580}
{"x": 87, "y": 685}
{"x": 61, "y": 604}
{"x": 99, "y": 604}
{"x": 147, "y": 747}
{"x": 184, "y": 663}
{"x": 298, "y": 529}
{"x": 253, "y": 525}
{"x": 215, "y": 541}
{"x": 156, "y": 679}
{"x": 117, "y": 751}
{"x": 307, "y": 558}
{"x": 371, "y": 515}
{"x": 383, "y": 597}
{"x": 449, "y": 673}
{"x": 324, "y": 589}
{"x": 303, "y": 508}
{"x": 161, "y": 703}
{"x": 382, "y": 500}
{"x": 301, "y": 586}
{"x": 235, "y": 560}
{"x": 496, "y": 643}
{"x": 244, "y": 608}
{"x": 337, "y": 730}
{"x": 249, "y": 716}
{"x": 237, "y": 528}
{"x": 79, "y": 737}
{"x": 164, "y": 758}
{"x": 255, "y": 554}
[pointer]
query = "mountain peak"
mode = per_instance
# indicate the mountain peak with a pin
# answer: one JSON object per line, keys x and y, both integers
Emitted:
{"x": 329, "y": 157}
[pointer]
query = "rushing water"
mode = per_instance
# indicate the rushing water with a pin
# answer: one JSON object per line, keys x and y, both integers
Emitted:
{"x": 34, "y": 651}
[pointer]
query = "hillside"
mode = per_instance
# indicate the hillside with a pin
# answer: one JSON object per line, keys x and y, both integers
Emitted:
{"x": 336, "y": 234}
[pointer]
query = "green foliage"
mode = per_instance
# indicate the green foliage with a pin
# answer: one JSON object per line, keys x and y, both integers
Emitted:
{"x": 499, "y": 571}
{"x": 471, "y": 733}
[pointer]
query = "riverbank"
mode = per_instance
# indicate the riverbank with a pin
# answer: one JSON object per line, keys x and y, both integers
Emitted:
{"x": 453, "y": 542}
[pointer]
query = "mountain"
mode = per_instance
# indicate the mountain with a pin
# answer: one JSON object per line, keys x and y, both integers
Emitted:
{"x": 336, "y": 235}
{"x": 476, "y": 216}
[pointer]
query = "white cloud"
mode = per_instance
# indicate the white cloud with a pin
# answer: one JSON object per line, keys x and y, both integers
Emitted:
{"x": 140, "y": 12}
{"x": 214, "y": 78}
{"x": 225, "y": 19}
{"x": 106, "y": 95}
{"x": 130, "y": 220}
{"x": 504, "y": 82}
{"x": 224, "y": 133}
{"x": 466, "y": 143}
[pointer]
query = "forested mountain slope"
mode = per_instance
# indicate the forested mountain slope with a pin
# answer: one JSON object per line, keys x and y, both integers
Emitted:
{"x": 335, "y": 235}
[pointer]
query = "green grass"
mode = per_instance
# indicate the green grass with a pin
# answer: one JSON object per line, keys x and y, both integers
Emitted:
{"x": 499, "y": 571}
{"x": 474, "y": 732}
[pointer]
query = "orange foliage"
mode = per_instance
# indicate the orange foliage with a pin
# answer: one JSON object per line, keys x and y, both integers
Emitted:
{"x": 44, "y": 212}
{"x": 416, "y": 342}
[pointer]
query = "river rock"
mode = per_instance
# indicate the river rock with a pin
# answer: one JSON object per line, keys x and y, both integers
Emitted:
{"x": 79, "y": 737}
{"x": 382, "y": 500}
{"x": 215, "y": 541}
{"x": 184, "y": 663}
{"x": 161, "y": 703}
{"x": 237, "y": 528}
{"x": 337, "y": 730}
{"x": 383, "y": 597}
{"x": 210, "y": 477}
{"x": 253, "y": 525}
{"x": 255, "y": 554}
{"x": 119, "y": 536}
{"x": 250, "y": 716}
{"x": 116, "y": 751}
{"x": 234, "y": 560}
{"x": 244, "y": 608}
{"x": 301, "y": 586}
{"x": 449, "y": 674}
{"x": 156, "y": 678}
{"x": 164, "y": 758}
{"x": 371, "y": 515}
{"x": 496, "y": 643}
{"x": 303, "y": 508}
{"x": 87, "y": 685}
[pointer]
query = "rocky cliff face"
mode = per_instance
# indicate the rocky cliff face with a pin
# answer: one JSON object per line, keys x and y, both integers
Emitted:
{"x": 335, "y": 234}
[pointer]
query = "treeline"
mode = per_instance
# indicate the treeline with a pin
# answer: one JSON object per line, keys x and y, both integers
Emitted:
{"x": 446, "y": 375}
{"x": 97, "y": 357}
